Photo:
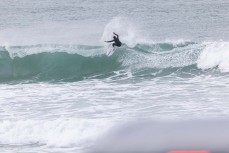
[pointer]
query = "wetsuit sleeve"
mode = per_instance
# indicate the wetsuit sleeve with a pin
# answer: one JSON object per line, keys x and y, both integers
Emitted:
{"x": 116, "y": 35}
{"x": 109, "y": 41}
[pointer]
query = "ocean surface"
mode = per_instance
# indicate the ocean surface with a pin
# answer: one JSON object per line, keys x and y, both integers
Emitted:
{"x": 60, "y": 93}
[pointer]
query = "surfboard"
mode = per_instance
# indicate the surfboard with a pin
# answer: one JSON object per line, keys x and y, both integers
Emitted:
{"x": 110, "y": 50}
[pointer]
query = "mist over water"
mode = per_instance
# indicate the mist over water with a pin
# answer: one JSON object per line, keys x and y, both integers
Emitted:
{"x": 59, "y": 92}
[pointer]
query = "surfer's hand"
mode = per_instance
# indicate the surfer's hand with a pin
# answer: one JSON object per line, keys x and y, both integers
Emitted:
{"x": 115, "y": 34}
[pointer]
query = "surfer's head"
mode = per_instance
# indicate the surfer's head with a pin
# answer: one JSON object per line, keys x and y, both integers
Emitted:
{"x": 114, "y": 37}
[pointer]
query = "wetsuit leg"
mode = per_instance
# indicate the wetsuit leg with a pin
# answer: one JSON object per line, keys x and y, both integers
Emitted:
{"x": 114, "y": 44}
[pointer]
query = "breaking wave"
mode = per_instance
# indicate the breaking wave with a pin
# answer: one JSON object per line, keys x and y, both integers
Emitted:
{"x": 52, "y": 62}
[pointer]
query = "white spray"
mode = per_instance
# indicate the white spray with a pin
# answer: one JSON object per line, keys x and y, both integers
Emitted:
{"x": 215, "y": 54}
{"x": 123, "y": 27}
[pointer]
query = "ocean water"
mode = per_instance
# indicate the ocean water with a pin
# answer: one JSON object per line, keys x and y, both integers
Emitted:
{"x": 60, "y": 93}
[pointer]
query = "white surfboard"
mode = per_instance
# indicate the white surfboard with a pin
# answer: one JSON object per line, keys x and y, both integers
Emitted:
{"x": 110, "y": 50}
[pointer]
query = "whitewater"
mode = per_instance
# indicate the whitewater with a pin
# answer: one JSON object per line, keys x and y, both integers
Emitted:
{"x": 168, "y": 82}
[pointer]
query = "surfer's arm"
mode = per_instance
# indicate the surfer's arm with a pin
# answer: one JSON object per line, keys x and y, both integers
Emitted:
{"x": 115, "y": 34}
{"x": 109, "y": 41}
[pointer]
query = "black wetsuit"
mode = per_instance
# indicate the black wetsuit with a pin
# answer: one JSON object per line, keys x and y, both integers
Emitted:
{"x": 116, "y": 41}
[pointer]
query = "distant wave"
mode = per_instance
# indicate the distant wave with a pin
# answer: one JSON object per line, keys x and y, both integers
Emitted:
{"x": 51, "y": 62}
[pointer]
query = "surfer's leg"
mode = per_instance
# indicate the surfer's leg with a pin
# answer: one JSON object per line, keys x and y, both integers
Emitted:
{"x": 114, "y": 44}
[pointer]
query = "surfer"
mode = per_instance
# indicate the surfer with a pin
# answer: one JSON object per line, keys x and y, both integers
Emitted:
{"x": 116, "y": 40}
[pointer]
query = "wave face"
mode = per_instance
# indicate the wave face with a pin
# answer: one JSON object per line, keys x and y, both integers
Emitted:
{"x": 52, "y": 66}
{"x": 52, "y": 62}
